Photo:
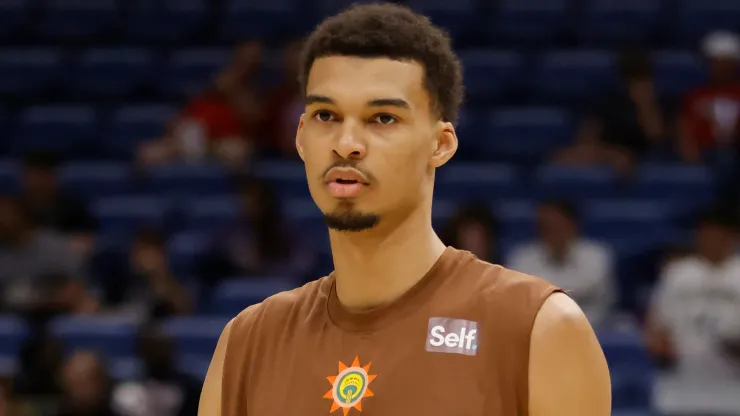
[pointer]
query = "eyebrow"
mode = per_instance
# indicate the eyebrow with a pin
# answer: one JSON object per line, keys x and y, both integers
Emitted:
{"x": 379, "y": 102}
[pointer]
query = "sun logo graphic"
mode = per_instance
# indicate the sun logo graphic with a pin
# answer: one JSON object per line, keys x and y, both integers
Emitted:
{"x": 350, "y": 386}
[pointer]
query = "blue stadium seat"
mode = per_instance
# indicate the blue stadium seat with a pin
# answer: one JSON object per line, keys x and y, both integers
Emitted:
{"x": 68, "y": 130}
{"x": 190, "y": 71}
{"x": 288, "y": 178}
{"x": 631, "y": 369}
{"x": 93, "y": 180}
{"x": 517, "y": 219}
{"x": 676, "y": 72}
{"x": 249, "y": 19}
{"x": 530, "y": 21}
{"x": 112, "y": 336}
{"x": 675, "y": 182}
{"x": 9, "y": 180}
{"x": 13, "y": 333}
{"x": 490, "y": 74}
{"x": 111, "y": 72}
{"x": 195, "y": 335}
{"x": 132, "y": 125}
{"x": 14, "y": 14}
{"x": 575, "y": 182}
{"x": 696, "y": 18}
{"x": 168, "y": 20}
{"x": 619, "y": 22}
{"x": 487, "y": 182}
{"x": 211, "y": 213}
{"x": 529, "y": 132}
{"x": 76, "y": 18}
{"x": 185, "y": 250}
{"x": 125, "y": 368}
{"x": 232, "y": 296}
{"x": 27, "y": 71}
{"x": 125, "y": 215}
{"x": 571, "y": 76}
{"x": 639, "y": 224}
{"x": 457, "y": 17}
{"x": 189, "y": 179}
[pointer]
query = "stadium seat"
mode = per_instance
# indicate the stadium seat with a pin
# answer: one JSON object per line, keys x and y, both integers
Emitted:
{"x": 618, "y": 22}
{"x": 571, "y": 76}
{"x": 211, "y": 213}
{"x": 76, "y": 18}
{"x": 195, "y": 335}
{"x": 67, "y": 130}
{"x": 9, "y": 180}
{"x": 188, "y": 179}
{"x": 232, "y": 296}
{"x": 288, "y": 178}
{"x": 630, "y": 367}
{"x": 114, "y": 72}
{"x": 696, "y": 18}
{"x": 529, "y": 132}
{"x": 132, "y": 125}
{"x": 530, "y": 21}
{"x": 676, "y": 72}
{"x": 94, "y": 180}
{"x": 165, "y": 20}
{"x": 27, "y": 71}
{"x": 14, "y": 15}
{"x": 484, "y": 182}
{"x": 185, "y": 249}
{"x": 190, "y": 71}
{"x": 112, "y": 336}
{"x": 639, "y": 224}
{"x": 258, "y": 18}
{"x": 517, "y": 219}
{"x": 457, "y": 17}
{"x": 490, "y": 74}
{"x": 13, "y": 333}
{"x": 674, "y": 182}
{"x": 575, "y": 182}
{"x": 125, "y": 215}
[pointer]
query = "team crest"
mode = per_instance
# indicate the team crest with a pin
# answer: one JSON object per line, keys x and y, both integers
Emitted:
{"x": 350, "y": 386}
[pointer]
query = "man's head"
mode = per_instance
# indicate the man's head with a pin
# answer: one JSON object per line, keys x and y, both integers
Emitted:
{"x": 716, "y": 235}
{"x": 40, "y": 175}
{"x": 558, "y": 224}
{"x": 382, "y": 88}
{"x": 722, "y": 50}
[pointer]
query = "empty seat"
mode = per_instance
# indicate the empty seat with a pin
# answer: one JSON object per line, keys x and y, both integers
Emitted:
{"x": 696, "y": 18}
{"x": 675, "y": 182}
{"x": 628, "y": 220}
{"x": 529, "y": 132}
{"x": 490, "y": 74}
{"x": 487, "y": 182}
{"x": 575, "y": 182}
{"x": 76, "y": 18}
{"x": 170, "y": 20}
{"x": 110, "y": 72}
{"x": 288, "y": 178}
{"x": 192, "y": 70}
{"x": 457, "y": 17}
{"x": 258, "y": 18}
{"x": 14, "y": 14}
{"x": 9, "y": 180}
{"x": 27, "y": 71}
{"x": 67, "y": 130}
{"x": 531, "y": 21}
{"x": 571, "y": 76}
{"x": 211, "y": 213}
{"x": 619, "y": 22}
{"x": 233, "y": 296}
{"x": 126, "y": 214}
{"x": 132, "y": 125}
{"x": 517, "y": 219}
{"x": 185, "y": 249}
{"x": 676, "y": 72}
{"x": 13, "y": 333}
{"x": 95, "y": 180}
{"x": 631, "y": 368}
{"x": 194, "y": 335}
{"x": 112, "y": 336}
{"x": 196, "y": 179}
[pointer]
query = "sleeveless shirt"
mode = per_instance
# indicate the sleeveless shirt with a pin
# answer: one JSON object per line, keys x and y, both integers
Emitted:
{"x": 457, "y": 343}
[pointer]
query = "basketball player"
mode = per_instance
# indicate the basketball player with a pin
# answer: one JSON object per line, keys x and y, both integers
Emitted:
{"x": 404, "y": 325}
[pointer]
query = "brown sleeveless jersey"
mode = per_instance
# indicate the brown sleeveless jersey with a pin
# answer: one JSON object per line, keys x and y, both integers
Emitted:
{"x": 456, "y": 344}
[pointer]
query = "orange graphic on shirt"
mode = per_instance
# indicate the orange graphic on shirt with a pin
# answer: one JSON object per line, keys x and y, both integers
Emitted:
{"x": 350, "y": 386}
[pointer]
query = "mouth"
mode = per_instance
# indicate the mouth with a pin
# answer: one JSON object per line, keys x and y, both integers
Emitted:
{"x": 345, "y": 183}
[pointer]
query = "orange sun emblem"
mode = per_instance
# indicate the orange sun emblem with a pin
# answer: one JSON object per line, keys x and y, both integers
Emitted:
{"x": 350, "y": 386}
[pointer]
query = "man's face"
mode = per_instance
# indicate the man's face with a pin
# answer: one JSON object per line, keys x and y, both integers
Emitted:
{"x": 556, "y": 228}
{"x": 40, "y": 182}
{"x": 369, "y": 139}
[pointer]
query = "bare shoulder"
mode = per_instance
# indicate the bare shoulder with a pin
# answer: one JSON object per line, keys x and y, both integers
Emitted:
{"x": 568, "y": 374}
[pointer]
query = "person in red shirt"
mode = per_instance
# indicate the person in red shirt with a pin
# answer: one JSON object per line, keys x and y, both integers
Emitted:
{"x": 710, "y": 114}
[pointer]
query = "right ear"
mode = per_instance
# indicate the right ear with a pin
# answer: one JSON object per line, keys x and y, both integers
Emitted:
{"x": 298, "y": 138}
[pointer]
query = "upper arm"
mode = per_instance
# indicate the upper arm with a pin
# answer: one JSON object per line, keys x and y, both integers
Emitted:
{"x": 210, "y": 396}
{"x": 568, "y": 374}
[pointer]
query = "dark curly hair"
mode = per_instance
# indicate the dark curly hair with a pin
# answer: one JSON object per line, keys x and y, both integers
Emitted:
{"x": 391, "y": 31}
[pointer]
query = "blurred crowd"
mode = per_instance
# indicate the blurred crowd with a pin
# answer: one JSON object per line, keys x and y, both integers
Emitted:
{"x": 51, "y": 263}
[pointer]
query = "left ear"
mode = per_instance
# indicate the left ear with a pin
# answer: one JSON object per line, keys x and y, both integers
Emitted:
{"x": 445, "y": 144}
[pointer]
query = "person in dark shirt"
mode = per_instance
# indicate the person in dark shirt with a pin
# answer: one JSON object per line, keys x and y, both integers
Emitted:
{"x": 475, "y": 229}
{"x": 86, "y": 387}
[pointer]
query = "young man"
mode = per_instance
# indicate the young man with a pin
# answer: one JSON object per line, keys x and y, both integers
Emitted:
{"x": 404, "y": 325}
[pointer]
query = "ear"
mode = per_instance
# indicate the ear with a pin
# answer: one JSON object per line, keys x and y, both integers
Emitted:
{"x": 445, "y": 145}
{"x": 298, "y": 137}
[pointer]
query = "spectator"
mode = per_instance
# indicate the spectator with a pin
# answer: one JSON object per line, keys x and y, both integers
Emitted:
{"x": 163, "y": 391}
{"x": 36, "y": 385}
{"x": 50, "y": 207}
{"x": 473, "y": 228}
{"x": 695, "y": 307}
{"x": 258, "y": 243}
{"x": 220, "y": 123}
{"x": 38, "y": 270}
{"x": 284, "y": 107}
{"x": 583, "y": 268}
{"x": 625, "y": 124}
{"x": 86, "y": 387}
{"x": 710, "y": 117}
{"x": 144, "y": 284}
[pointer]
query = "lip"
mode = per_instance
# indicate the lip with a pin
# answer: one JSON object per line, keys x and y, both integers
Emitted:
{"x": 356, "y": 182}
{"x": 348, "y": 174}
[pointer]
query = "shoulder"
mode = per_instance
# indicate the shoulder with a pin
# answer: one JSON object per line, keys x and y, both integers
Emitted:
{"x": 593, "y": 248}
{"x": 682, "y": 272}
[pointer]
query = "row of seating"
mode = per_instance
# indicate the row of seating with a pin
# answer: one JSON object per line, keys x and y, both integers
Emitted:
{"x": 507, "y": 19}
{"x": 489, "y": 73}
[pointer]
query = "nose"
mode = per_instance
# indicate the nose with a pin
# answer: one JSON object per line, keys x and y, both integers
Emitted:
{"x": 350, "y": 144}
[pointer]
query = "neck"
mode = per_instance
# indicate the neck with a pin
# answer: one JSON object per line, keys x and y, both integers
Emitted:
{"x": 377, "y": 266}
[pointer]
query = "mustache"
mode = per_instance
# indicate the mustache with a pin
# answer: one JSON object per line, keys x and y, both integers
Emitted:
{"x": 348, "y": 164}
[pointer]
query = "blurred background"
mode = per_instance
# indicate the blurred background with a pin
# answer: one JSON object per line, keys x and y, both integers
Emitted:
{"x": 150, "y": 190}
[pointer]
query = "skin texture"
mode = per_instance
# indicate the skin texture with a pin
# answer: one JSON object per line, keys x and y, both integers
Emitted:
{"x": 375, "y": 116}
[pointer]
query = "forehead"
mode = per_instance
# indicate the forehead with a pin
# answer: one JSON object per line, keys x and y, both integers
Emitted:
{"x": 348, "y": 79}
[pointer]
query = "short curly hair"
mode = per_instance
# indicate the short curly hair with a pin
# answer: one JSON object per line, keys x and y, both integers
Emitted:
{"x": 395, "y": 32}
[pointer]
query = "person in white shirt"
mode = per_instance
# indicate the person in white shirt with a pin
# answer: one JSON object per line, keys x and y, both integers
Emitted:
{"x": 694, "y": 319}
{"x": 561, "y": 256}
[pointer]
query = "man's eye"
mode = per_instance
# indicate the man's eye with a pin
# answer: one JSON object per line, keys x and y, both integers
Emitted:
{"x": 324, "y": 116}
{"x": 384, "y": 119}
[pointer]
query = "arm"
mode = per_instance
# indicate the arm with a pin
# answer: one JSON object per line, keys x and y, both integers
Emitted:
{"x": 210, "y": 396}
{"x": 568, "y": 374}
